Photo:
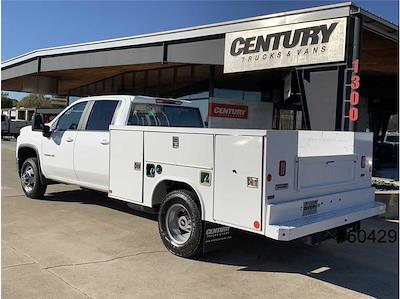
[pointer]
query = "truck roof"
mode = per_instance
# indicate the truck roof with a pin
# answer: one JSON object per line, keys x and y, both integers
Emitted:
{"x": 138, "y": 99}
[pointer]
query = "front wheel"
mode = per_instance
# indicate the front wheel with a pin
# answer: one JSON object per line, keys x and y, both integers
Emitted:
{"x": 179, "y": 223}
{"x": 30, "y": 179}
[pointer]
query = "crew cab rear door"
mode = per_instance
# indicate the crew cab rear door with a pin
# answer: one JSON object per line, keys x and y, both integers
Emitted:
{"x": 91, "y": 152}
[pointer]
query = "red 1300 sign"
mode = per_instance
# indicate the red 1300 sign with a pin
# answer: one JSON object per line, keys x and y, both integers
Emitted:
{"x": 354, "y": 95}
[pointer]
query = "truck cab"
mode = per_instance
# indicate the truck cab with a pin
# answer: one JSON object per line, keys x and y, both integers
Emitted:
{"x": 76, "y": 148}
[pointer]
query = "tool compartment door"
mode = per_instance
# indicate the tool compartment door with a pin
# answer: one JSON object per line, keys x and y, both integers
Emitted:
{"x": 126, "y": 165}
{"x": 237, "y": 160}
{"x": 325, "y": 171}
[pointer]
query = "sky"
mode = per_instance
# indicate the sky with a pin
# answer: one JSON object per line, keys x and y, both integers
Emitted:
{"x": 30, "y": 25}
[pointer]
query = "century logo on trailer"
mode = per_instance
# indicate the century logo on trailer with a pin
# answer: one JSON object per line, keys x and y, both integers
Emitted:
{"x": 283, "y": 46}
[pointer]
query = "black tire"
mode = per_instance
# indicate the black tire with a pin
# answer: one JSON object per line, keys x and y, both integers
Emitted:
{"x": 30, "y": 171}
{"x": 187, "y": 201}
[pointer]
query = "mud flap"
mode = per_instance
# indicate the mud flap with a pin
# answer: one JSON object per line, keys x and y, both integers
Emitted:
{"x": 216, "y": 236}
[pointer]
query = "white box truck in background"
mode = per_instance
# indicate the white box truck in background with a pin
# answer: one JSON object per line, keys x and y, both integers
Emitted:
{"x": 153, "y": 153}
{"x": 13, "y": 119}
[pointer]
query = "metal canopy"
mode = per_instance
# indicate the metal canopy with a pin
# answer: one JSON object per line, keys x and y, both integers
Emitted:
{"x": 61, "y": 69}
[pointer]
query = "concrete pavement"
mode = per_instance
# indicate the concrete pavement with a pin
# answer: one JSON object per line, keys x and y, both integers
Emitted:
{"x": 80, "y": 244}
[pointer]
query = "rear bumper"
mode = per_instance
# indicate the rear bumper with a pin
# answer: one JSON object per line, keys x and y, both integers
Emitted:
{"x": 309, "y": 225}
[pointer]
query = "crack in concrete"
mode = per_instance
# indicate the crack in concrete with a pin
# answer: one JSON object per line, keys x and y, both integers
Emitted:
{"x": 104, "y": 261}
{"x": 17, "y": 265}
{"x": 42, "y": 268}
{"x": 70, "y": 285}
{"x": 20, "y": 252}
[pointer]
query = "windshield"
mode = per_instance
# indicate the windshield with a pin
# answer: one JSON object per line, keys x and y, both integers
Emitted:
{"x": 164, "y": 116}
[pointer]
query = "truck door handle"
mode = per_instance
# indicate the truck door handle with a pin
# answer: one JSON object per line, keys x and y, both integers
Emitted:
{"x": 105, "y": 141}
{"x": 69, "y": 139}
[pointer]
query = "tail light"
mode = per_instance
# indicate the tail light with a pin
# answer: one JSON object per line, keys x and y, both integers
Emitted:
{"x": 282, "y": 168}
{"x": 363, "y": 161}
{"x": 269, "y": 177}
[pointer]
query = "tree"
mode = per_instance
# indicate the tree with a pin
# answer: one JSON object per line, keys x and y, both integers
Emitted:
{"x": 6, "y": 101}
{"x": 34, "y": 101}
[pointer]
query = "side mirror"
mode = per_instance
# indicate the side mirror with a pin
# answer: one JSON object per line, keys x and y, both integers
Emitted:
{"x": 38, "y": 122}
{"x": 46, "y": 131}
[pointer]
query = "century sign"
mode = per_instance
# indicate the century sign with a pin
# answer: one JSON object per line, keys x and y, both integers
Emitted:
{"x": 227, "y": 111}
{"x": 283, "y": 46}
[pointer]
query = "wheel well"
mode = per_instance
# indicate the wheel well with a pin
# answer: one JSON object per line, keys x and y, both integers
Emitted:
{"x": 166, "y": 186}
{"x": 25, "y": 153}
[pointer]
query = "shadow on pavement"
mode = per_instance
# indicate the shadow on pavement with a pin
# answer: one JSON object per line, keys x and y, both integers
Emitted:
{"x": 369, "y": 268}
{"x": 95, "y": 198}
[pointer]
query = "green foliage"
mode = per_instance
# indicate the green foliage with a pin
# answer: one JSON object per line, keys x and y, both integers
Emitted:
{"x": 6, "y": 101}
{"x": 34, "y": 101}
{"x": 30, "y": 101}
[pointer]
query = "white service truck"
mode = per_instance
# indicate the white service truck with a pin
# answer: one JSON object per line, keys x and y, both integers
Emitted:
{"x": 13, "y": 119}
{"x": 11, "y": 127}
{"x": 156, "y": 154}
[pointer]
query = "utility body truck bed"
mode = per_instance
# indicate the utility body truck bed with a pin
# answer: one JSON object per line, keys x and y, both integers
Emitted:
{"x": 275, "y": 183}
{"x": 155, "y": 154}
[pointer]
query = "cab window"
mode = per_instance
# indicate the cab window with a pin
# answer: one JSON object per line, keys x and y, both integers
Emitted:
{"x": 164, "y": 116}
{"x": 70, "y": 119}
{"x": 101, "y": 115}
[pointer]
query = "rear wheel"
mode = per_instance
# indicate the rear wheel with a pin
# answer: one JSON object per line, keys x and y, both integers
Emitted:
{"x": 180, "y": 224}
{"x": 30, "y": 179}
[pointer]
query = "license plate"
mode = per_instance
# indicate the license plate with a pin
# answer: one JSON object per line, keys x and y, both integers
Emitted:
{"x": 310, "y": 207}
